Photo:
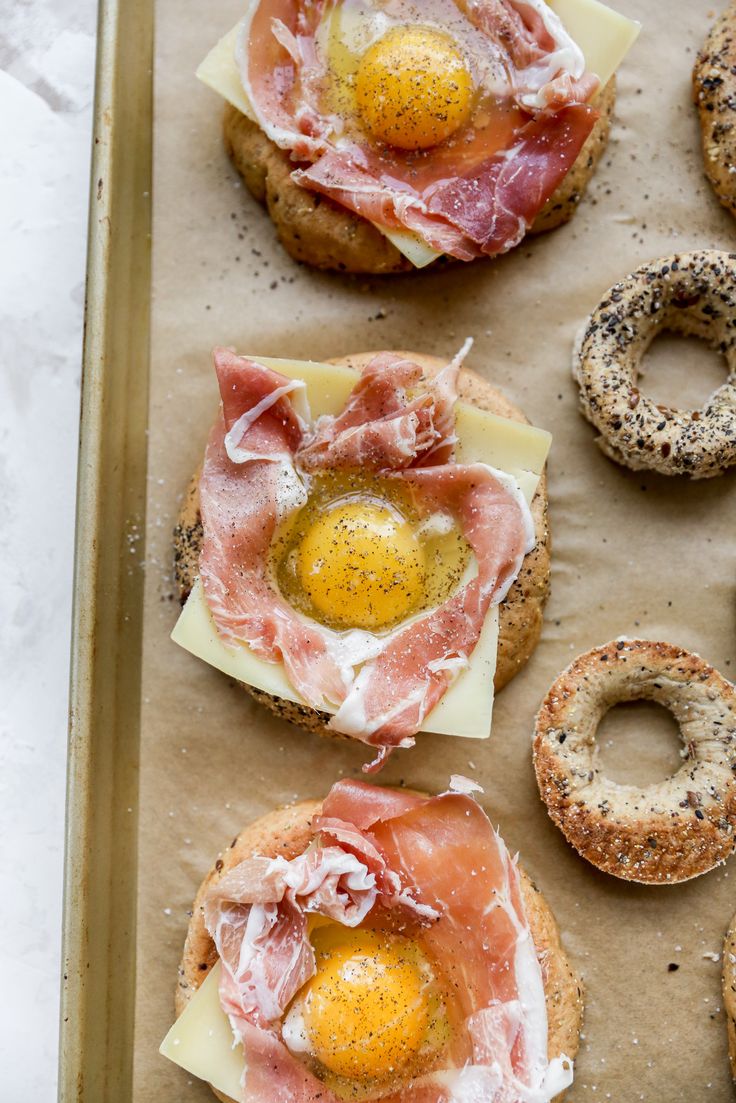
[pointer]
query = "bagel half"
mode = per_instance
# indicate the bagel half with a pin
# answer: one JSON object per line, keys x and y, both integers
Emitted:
{"x": 315, "y": 230}
{"x": 714, "y": 93}
{"x": 520, "y": 614}
{"x": 692, "y": 294}
{"x": 657, "y": 834}
{"x": 729, "y": 992}
{"x": 287, "y": 832}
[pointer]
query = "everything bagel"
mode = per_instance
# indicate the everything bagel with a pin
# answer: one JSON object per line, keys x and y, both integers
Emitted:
{"x": 662, "y": 833}
{"x": 692, "y": 294}
{"x": 714, "y": 92}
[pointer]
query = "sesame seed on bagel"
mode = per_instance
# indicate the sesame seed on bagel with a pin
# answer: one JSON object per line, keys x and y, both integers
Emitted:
{"x": 691, "y": 294}
{"x": 658, "y": 834}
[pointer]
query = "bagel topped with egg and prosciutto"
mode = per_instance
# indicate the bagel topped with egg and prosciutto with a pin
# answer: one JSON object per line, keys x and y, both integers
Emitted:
{"x": 381, "y": 944}
{"x": 436, "y": 129}
{"x": 355, "y": 551}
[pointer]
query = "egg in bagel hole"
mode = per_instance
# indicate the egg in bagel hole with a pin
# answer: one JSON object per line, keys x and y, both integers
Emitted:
{"x": 413, "y": 87}
{"x": 360, "y": 555}
{"x": 410, "y": 78}
{"x": 375, "y": 1011}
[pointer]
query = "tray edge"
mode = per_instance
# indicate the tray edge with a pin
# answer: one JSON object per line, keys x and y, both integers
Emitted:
{"x": 98, "y": 949}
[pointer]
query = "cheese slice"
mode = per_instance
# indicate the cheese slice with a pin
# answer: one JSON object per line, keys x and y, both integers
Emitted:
{"x": 414, "y": 248}
{"x": 466, "y": 708}
{"x": 604, "y": 36}
{"x": 219, "y": 71}
{"x": 202, "y": 1043}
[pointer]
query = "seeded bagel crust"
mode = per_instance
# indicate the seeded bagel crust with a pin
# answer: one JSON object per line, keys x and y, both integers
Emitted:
{"x": 729, "y": 992}
{"x": 693, "y": 294}
{"x": 315, "y": 230}
{"x": 287, "y": 832}
{"x": 520, "y": 615}
{"x": 714, "y": 92}
{"x": 657, "y": 834}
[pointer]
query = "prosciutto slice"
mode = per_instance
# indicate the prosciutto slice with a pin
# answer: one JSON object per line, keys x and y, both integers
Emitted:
{"x": 257, "y": 918}
{"x": 246, "y": 486}
{"x": 381, "y": 427}
{"x": 484, "y": 210}
{"x": 462, "y": 888}
{"x": 474, "y": 195}
{"x": 392, "y": 695}
{"x": 260, "y": 456}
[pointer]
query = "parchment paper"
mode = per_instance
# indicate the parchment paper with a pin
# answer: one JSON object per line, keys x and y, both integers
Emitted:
{"x": 633, "y": 554}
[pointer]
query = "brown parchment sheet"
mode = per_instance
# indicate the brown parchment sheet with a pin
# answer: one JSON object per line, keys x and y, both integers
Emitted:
{"x": 633, "y": 553}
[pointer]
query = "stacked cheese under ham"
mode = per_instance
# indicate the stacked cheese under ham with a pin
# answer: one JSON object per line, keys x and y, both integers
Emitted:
{"x": 256, "y": 470}
{"x": 439, "y": 860}
{"x": 474, "y": 196}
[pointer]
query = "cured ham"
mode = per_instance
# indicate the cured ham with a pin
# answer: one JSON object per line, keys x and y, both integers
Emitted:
{"x": 381, "y": 427}
{"x": 257, "y": 918}
{"x": 484, "y": 210}
{"x": 463, "y": 891}
{"x": 241, "y": 502}
{"x": 392, "y": 694}
{"x": 259, "y": 459}
{"x": 472, "y": 195}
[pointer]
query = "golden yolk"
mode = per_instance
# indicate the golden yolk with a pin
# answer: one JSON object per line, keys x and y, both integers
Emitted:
{"x": 361, "y": 565}
{"x": 413, "y": 88}
{"x": 365, "y": 1011}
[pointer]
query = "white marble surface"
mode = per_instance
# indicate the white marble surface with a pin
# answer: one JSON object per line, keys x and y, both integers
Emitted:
{"x": 46, "y": 81}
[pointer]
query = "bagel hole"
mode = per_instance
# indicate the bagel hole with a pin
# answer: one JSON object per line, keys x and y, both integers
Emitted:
{"x": 638, "y": 743}
{"x": 681, "y": 372}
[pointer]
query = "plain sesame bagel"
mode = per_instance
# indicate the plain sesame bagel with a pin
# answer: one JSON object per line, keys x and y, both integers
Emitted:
{"x": 692, "y": 294}
{"x": 287, "y": 832}
{"x": 658, "y": 834}
{"x": 714, "y": 92}
{"x": 729, "y": 991}
{"x": 520, "y": 615}
{"x": 319, "y": 232}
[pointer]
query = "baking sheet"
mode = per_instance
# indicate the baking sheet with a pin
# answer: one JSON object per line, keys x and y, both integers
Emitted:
{"x": 633, "y": 553}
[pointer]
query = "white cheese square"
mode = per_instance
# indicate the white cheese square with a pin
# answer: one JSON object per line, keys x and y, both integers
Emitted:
{"x": 202, "y": 1043}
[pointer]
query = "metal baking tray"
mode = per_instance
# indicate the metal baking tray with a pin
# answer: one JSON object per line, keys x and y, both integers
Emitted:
{"x": 99, "y": 885}
{"x": 612, "y": 930}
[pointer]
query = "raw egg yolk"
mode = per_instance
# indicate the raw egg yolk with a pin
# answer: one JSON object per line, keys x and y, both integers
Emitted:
{"x": 413, "y": 88}
{"x": 361, "y": 565}
{"x": 366, "y": 1010}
